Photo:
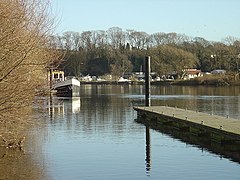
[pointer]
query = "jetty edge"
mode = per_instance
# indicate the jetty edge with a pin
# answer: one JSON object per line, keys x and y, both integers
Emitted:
{"x": 215, "y": 128}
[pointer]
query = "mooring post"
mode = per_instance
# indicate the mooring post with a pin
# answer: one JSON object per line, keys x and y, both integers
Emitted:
{"x": 147, "y": 81}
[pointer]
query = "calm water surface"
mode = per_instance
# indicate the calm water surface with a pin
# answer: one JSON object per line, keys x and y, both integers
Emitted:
{"x": 96, "y": 137}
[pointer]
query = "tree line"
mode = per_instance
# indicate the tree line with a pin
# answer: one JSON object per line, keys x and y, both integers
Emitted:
{"x": 116, "y": 52}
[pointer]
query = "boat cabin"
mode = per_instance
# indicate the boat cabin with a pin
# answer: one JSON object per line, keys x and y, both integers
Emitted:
{"x": 57, "y": 76}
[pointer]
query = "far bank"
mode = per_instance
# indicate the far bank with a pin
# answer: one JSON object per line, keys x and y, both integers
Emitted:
{"x": 201, "y": 81}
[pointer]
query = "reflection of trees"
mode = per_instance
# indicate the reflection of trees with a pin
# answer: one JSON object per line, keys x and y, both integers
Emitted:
{"x": 214, "y": 100}
{"x": 27, "y": 163}
{"x": 106, "y": 105}
{"x": 102, "y": 109}
{"x": 105, "y": 109}
{"x": 16, "y": 165}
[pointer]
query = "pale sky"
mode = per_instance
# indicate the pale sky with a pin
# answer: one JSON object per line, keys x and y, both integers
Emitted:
{"x": 210, "y": 19}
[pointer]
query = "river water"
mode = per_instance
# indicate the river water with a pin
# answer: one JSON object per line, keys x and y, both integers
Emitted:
{"x": 96, "y": 136}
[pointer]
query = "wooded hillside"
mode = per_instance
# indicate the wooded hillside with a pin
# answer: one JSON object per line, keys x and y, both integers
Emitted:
{"x": 116, "y": 51}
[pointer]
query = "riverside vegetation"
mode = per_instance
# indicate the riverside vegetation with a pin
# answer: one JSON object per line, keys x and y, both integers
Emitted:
{"x": 25, "y": 52}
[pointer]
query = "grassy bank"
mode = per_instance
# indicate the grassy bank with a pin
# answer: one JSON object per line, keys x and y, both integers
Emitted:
{"x": 224, "y": 80}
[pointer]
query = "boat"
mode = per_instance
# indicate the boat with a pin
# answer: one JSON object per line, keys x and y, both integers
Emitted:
{"x": 67, "y": 88}
{"x": 63, "y": 86}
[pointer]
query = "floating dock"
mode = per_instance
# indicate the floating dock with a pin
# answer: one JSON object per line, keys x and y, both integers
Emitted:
{"x": 215, "y": 128}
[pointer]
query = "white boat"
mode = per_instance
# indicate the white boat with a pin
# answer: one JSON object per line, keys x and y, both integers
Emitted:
{"x": 67, "y": 88}
{"x": 63, "y": 86}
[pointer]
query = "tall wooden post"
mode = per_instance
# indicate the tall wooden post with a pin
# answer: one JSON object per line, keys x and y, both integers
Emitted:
{"x": 147, "y": 81}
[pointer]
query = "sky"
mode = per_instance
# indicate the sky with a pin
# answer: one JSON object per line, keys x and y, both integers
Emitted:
{"x": 213, "y": 20}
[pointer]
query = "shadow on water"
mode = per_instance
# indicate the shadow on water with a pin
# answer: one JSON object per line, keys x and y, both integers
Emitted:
{"x": 230, "y": 151}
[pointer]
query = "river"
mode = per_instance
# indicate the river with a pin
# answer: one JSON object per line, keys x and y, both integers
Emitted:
{"x": 96, "y": 137}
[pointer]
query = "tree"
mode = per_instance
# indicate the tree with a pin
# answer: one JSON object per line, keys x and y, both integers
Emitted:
{"x": 86, "y": 39}
{"x": 158, "y": 38}
{"x": 115, "y": 45}
{"x": 98, "y": 66}
{"x": 25, "y": 51}
{"x": 120, "y": 64}
{"x": 167, "y": 59}
{"x": 116, "y": 37}
{"x": 137, "y": 39}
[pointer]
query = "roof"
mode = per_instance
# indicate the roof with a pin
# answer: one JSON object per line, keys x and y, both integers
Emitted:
{"x": 192, "y": 71}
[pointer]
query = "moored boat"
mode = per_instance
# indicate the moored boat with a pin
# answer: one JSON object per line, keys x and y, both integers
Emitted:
{"x": 67, "y": 88}
{"x": 63, "y": 86}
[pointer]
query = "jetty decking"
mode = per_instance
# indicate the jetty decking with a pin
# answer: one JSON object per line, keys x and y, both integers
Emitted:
{"x": 198, "y": 123}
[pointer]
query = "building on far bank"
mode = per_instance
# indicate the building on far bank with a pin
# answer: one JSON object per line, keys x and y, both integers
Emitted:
{"x": 218, "y": 71}
{"x": 191, "y": 73}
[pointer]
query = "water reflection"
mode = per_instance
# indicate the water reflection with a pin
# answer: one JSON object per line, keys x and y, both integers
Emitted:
{"x": 59, "y": 106}
{"x": 17, "y": 164}
{"x": 231, "y": 150}
{"x": 223, "y": 101}
{"x": 98, "y": 139}
{"x": 148, "y": 151}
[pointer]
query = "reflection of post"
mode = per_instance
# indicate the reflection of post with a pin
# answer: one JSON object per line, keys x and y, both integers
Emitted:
{"x": 148, "y": 151}
{"x": 147, "y": 81}
{"x": 50, "y": 79}
{"x": 51, "y": 107}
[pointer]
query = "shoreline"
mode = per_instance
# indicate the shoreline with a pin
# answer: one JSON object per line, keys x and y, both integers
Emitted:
{"x": 192, "y": 82}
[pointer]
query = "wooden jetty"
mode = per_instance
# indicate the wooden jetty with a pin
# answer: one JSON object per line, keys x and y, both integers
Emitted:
{"x": 215, "y": 128}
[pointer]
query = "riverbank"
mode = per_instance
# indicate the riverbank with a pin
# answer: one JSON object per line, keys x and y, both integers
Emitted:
{"x": 208, "y": 81}
{"x": 128, "y": 82}
{"x": 201, "y": 81}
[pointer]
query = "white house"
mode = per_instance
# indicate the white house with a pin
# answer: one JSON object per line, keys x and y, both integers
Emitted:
{"x": 191, "y": 73}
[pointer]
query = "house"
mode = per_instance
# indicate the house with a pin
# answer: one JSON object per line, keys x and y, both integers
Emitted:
{"x": 191, "y": 73}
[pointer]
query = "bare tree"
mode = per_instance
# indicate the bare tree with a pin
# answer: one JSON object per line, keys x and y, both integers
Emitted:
{"x": 229, "y": 40}
{"x": 158, "y": 38}
{"x": 76, "y": 40}
{"x": 101, "y": 38}
{"x": 25, "y": 50}
{"x": 138, "y": 39}
{"x": 86, "y": 39}
{"x": 116, "y": 37}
